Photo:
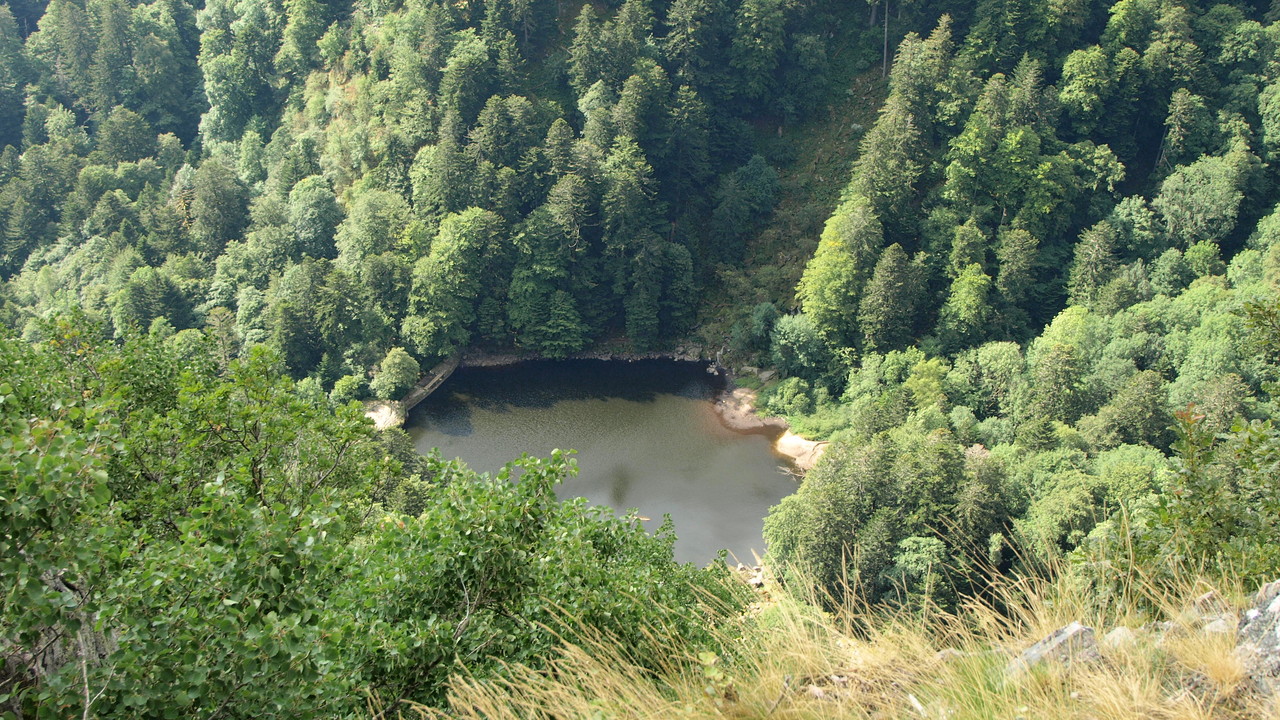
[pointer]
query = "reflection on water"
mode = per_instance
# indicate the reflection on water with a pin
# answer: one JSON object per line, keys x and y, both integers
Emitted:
{"x": 647, "y": 437}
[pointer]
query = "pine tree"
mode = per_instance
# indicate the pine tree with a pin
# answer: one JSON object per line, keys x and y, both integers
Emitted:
{"x": 888, "y": 167}
{"x": 1016, "y": 254}
{"x": 696, "y": 29}
{"x": 887, "y": 308}
{"x": 1094, "y": 264}
{"x": 112, "y": 72}
{"x": 631, "y": 216}
{"x": 758, "y": 39}
{"x": 14, "y": 75}
{"x": 586, "y": 62}
{"x": 1188, "y": 129}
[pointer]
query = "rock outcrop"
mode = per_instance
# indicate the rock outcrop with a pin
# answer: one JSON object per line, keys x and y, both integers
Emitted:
{"x": 385, "y": 413}
{"x": 1070, "y": 644}
{"x": 804, "y": 453}
{"x": 1258, "y": 639}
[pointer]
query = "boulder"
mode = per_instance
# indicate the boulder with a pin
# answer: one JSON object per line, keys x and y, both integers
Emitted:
{"x": 1219, "y": 626}
{"x": 1210, "y": 603}
{"x": 1258, "y": 638}
{"x": 385, "y": 413}
{"x": 1119, "y": 638}
{"x": 1073, "y": 643}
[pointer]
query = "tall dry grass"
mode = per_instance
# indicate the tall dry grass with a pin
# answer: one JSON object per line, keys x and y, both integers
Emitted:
{"x": 787, "y": 659}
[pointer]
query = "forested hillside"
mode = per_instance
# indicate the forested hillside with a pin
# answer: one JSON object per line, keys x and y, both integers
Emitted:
{"x": 338, "y": 180}
{"x": 1051, "y": 250}
{"x": 1039, "y": 328}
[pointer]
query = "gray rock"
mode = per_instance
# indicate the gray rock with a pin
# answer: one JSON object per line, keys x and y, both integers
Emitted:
{"x": 1209, "y": 603}
{"x": 1219, "y": 626}
{"x": 1258, "y": 638}
{"x": 766, "y": 375}
{"x": 1073, "y": 643}
{"x": 1119, "y": 638}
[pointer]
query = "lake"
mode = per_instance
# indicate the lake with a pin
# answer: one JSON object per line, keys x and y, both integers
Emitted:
{"x": 647, "y": 435}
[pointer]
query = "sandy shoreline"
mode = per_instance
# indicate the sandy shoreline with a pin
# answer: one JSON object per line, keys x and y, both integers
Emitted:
{"x": 737, "y": 410}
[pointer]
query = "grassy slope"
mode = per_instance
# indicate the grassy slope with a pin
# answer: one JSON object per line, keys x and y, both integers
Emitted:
{"x": 796, "y": 662}
{"x": 814, "y": 160}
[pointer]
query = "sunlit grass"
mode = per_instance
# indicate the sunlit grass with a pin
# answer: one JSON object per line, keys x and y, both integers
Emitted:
{"x": 787, "y": 659}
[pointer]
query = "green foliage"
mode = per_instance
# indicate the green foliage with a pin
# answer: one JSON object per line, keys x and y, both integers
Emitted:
{"x": 314, "y": 216}
{"x": 833, "y": 280}
{"x": 218, "y": 210}
{"x": 191, "y": 537}
{"x": 348, "y": 388}
{"x": 398, "y": 372}
{"x": 1200, "y": 201}
{"x": 449, "y": 283}
{"x": 886, "y": 313}
{"x": 1216, "y": 511}
{"x": 797, "y": 348}
{"x": 478, "y": 179}
{"x": 845, "y": 524}
{"x": 964, "y": 317}
{"x": 497, "y": 569}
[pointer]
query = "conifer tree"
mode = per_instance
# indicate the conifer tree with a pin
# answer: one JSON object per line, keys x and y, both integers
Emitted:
{"x": 888, "y": 167}
{"x": 1094, "y": 264}
{"x": 886, "y": 310}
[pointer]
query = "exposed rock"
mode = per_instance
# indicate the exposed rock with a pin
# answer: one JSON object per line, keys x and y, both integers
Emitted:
{"x": 1073, "y": 643}
{"x": 766, "y": 375}
{"x": 804, "y": 453}
{"x": 753, "y": 576}
{"x": 1120, "y": 638}
{"x": 1209, "y": 603}
{"x": 1258, "y": 638}
{"x": 948, "y": 654}
{"x": 1220, "y": 626}
{"x": 384, "y": 413}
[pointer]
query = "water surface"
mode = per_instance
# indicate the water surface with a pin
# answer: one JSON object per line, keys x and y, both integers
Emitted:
{"x": 647, "y": 437}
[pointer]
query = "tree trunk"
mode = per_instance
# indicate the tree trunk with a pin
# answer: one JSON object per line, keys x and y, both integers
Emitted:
{"x": 885, "y": 71}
